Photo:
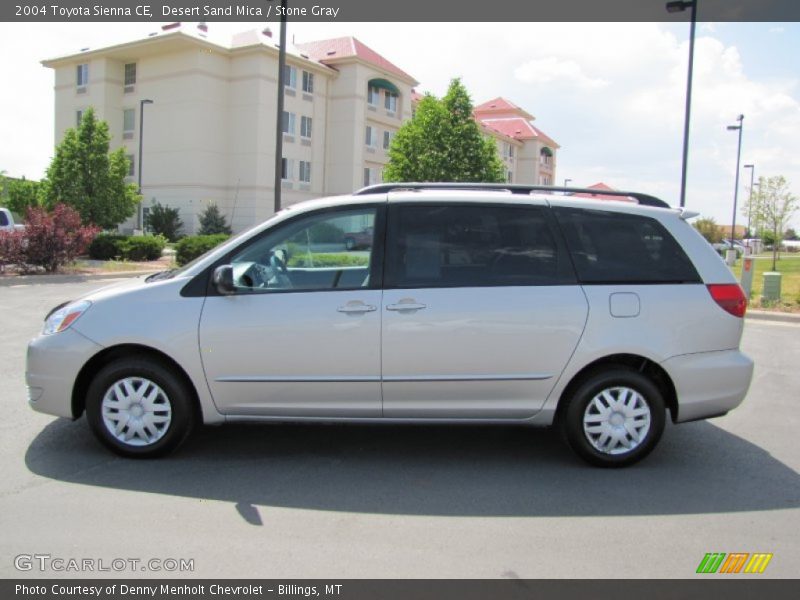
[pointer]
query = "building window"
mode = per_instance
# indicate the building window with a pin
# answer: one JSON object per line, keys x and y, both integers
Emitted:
{"x": 545, "y": 180}
{"x": 78, "y": 117}
{"x": 510, "y": 177}
{"x": 510, "y": 151}
{"x": 308, "y": 82}
{"x": 305, "y": 127}
{"x": 305, "y": 171}
{"x": 370, "y": 176}
{"x": 131, "y": 164}
{"x": 371, "y": 138}
{"x": 128, "y": 122}
{"x": 287, "y": 169}
{"x": 82, "y": 75}
{"x": 130, "y": 74}
{"x": 288, "y": 122}
{"x": 391, "y": 102}
{"x": 290, "y": 77}
{"x": 546, "y": 156}
{"x": 373, "y": 94}
{"x": 388, "y": 136}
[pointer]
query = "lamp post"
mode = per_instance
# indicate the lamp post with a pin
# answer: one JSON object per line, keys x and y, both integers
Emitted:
{"x": 279, "y": 120}
{"x": 750, "y": 199}
{"x": 738, "y": 128}
{"x": 566, "y": 182}
{"x": 676, "y": 7}
{"x": 140, "y": 216}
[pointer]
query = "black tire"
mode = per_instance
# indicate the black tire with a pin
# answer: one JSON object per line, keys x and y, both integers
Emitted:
{"x": 350, "y": 244}
{"x": 176, "y": 400}
{"x": 614, "y": 380}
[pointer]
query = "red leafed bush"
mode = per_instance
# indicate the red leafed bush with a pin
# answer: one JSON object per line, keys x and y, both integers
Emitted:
{"x": 53, "y": 239}
{"x": 12, "y": 248}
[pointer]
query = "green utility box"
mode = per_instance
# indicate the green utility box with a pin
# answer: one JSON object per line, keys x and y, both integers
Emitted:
{"x": 772, "y": 286}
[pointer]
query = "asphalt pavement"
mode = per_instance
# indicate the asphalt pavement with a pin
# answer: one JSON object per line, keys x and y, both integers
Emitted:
{"x": 338, "y": 501}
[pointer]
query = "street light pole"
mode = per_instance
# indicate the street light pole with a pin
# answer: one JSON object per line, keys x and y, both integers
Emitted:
{"x": 566, "y": 182}
{"x": 738, "y": 128}
{"x": 140, "y": 216}
{"x": 750, "y": 199}
{"x": 675, "y": 7}
{"x": 279, "y": 120}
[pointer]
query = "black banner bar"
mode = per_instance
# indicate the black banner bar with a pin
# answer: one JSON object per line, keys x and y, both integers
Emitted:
{"x": 404, "y": 10}
{"x": 713, "y": 586}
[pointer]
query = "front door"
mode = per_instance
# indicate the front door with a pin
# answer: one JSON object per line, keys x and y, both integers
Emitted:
{"x": 481, "y": 311}
{"x": 300, "y": 337}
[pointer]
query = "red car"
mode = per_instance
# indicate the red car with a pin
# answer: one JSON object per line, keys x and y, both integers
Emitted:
{"x": 358, "y": 239}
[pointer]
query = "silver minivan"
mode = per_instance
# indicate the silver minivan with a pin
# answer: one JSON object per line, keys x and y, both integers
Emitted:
{"x": 460, "y": 304}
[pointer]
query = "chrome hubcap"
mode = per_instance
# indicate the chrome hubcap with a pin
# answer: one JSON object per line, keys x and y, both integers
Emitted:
{"x": 616, "y": 420}
{"x": 136, "y": 411}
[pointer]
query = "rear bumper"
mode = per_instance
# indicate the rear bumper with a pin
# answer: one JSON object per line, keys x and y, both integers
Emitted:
{"x": 53, "y": 363}
{"x": 709, "y": 384}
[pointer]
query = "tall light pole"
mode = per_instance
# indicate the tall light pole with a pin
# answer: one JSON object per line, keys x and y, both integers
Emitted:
{"x": 738, "y": 128}
{"x": 676, "y": 7}
{"x": 279, "y": 120}
{"x": 566, "y": 182}
{"x": 750, "y": 199}
{"x": 140, "y": 219}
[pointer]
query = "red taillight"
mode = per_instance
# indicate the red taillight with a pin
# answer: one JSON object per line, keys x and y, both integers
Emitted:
{"x": 730, "y": 297}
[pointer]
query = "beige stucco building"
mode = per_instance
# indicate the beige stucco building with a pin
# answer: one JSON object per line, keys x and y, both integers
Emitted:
{"x": 209, "y": 134}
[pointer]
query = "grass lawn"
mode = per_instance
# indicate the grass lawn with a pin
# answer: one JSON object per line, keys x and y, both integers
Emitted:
{"x": 789, "y": 266}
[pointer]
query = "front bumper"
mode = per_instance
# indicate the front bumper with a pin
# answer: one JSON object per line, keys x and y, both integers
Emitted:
{"x": 53, "y": 364}
{"x": 709, "y": 384}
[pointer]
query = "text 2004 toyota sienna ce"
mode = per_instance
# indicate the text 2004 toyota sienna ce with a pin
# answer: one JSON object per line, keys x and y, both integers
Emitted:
{"x": 469, "y": 305}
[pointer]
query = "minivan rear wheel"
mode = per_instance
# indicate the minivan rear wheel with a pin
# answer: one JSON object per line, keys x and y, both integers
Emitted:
{"x": 138, "y": 408}
{"x": 615, "y": 418}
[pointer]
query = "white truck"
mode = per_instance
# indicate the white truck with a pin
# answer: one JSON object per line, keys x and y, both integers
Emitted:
{"x": 7, "y": 221}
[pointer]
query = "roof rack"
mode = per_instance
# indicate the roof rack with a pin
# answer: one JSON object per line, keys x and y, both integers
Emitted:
{"x": 514, "y": 188}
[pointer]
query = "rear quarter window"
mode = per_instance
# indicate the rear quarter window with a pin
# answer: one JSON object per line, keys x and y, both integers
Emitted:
{"x": 612, "y": 247}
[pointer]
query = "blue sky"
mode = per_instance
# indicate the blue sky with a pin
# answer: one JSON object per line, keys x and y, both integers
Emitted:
{"x": 611, "y": 94}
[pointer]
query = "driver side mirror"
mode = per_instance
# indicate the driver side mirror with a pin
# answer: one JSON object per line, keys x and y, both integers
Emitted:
{"x": 223, "y": 280}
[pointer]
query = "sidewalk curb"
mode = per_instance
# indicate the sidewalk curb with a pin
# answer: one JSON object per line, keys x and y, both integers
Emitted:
{"x": 766, "y": 315}
{"x": 70, "y": 277}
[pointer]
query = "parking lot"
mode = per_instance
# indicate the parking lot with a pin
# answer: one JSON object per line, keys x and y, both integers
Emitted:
{"x": 291, "y": 501}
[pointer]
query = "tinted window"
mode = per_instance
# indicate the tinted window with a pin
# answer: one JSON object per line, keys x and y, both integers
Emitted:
{"x": 610, "y": 247}
{"x": 468, "y": 246}
{"x": 3, "y": 219}
{"x": 330, "y": 250}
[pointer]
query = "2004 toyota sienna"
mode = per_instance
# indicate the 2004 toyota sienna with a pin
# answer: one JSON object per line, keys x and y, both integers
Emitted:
{"x": 472, "y": 304}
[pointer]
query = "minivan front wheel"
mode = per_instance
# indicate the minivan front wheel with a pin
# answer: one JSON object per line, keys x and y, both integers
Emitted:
{"x": 138, "y": 408}
{"x": 615, "y": 418}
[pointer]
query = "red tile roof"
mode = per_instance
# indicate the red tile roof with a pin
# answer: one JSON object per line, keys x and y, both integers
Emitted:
{"x": 517, "y": 128}
{"x": 602, "y": 186}
{"x": 497, "y": 104}
{"x": 333, "y": 49}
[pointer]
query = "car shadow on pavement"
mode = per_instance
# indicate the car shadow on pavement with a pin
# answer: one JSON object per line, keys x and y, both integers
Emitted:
{"x": 418, "y": 470}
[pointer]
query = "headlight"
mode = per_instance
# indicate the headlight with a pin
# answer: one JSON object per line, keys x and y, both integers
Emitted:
{"x": 61, "y": 318}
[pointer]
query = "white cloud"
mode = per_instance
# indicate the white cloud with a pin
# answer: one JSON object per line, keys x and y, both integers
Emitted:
{"x": 552, "y": 70}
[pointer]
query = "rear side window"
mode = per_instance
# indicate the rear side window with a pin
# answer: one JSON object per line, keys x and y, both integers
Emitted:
{"x": 611, "y": 247}
{"x": 3, "y": 219}
{"x": 472, "y": 246}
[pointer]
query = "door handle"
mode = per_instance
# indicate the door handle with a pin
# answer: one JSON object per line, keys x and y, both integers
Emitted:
{"x": 406, "y": 305}
{"x": 356, "y": 308}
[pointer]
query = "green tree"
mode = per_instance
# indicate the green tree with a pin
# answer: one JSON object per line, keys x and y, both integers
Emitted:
{"x": 212, "y": 221}
{"x": 444, "y": 143}
{"x": 18, "y": 194}
{"x": 85, "y": 176}
{"x": 790, "y": 234}
{"x": 708, "y": 228}
{"x": 165, "y": 221}
{"x": 776, "y": 205}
